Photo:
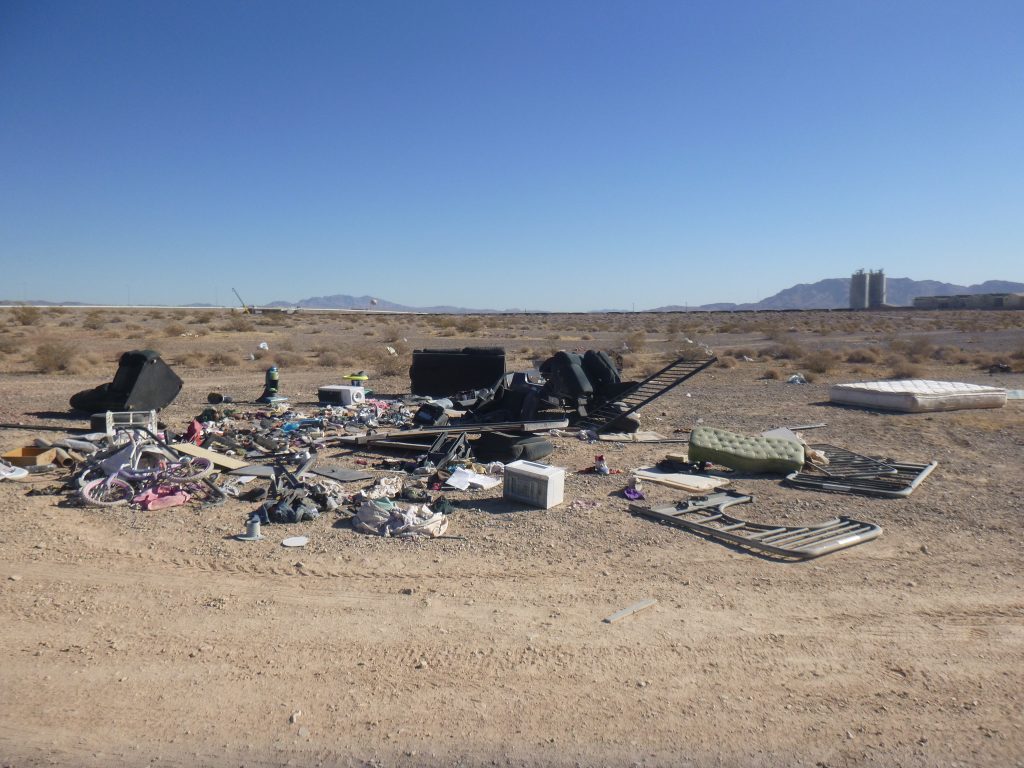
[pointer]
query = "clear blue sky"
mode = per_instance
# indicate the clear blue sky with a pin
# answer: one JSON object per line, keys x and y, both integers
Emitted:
{"x": 542, "y": 155}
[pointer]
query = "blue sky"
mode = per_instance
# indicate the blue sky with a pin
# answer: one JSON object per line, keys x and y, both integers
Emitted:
{"x": 539, "y": 155}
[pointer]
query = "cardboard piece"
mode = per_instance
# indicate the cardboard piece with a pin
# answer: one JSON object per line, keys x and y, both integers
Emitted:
{"x": 30, "y": 456}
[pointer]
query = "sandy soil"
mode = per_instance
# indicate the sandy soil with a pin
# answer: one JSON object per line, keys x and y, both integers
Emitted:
{"x": 137, "y": 638}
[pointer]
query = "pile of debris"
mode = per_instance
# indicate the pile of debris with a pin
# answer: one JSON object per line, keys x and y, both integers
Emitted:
{"x": 467, "y": 424}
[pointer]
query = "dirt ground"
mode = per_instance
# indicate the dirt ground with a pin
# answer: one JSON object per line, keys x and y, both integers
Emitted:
{"x": 134, "y": 638}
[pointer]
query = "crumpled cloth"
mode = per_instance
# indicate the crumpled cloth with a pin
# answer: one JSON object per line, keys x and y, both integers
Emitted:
{"x": 161, "y": 497}
{"x": 384, "y": 488}
{"x": 385, "y": 518}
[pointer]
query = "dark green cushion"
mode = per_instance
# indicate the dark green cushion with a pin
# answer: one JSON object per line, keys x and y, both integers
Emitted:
{"x": 743, "y": 452}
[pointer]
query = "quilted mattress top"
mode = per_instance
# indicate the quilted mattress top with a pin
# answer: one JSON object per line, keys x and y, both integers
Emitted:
{"x": 921, "y": 387}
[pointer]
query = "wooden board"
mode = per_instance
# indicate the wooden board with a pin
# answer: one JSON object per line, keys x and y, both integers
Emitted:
{"x": 218, "y": 459}
{"x": 404, "y": 434}
{"x": 682, "y": 481}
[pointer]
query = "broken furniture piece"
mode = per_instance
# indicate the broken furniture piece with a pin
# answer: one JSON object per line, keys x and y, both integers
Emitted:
{"x": 706, "y": 516}
{"x": 444, "y": 372}
{"x": 617, "y": 402}
{"x": 142, "y": 382}
{"x": 893, "y": 479}
{"x": 917, "y": 395}
{"x": 747, "y": 453}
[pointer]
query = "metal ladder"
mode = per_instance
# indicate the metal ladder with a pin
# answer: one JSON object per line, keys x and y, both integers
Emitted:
{"x": 651, "y": 388}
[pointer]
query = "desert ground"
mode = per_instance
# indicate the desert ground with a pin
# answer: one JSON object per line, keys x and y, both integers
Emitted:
{"x": 154, "y": 638}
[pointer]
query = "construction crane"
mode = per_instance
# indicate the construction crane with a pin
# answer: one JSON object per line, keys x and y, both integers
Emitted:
{"x": 247, "y": 309}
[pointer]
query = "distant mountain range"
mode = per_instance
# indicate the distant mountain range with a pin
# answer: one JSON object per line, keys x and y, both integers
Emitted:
{"x": 344, "y": 301}
{"x": 833, "y": 293}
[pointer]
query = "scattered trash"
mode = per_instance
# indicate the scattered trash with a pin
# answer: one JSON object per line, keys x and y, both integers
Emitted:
{"x": 681, "y": 480}
{"x": 630, "y": 610}
{"x": 796, "y": 378}
{"x": 706, "y": 515}
{"x": 295, "y": 541}
{"x": 536, "y": 484}
{"x": 386, "y": 518}
{"x": 142, "y": 382}
{"x": 847, "y": 472}
{"x": 462, "y": 479}
{"x": 252, "y": 531}
{"x": 10, "y": 472}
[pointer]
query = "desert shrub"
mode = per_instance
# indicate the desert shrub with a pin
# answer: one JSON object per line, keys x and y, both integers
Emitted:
{"x": 393, "y": 333}
{"x": 636, "y": 340}
{"x": 772, "y": 373}
{"x": 819, "y": 361}
{"x": 222, "y": 360}
{"x": 239, "y": 323}
{"x": 53, "y": 356}
{"x": 442, "y": 321}
{"x": 26, "y": 315}
{"x": 330, "y": 359}
{"x": 727, "y": 362}
{"x": 904, "y": 369}
{"x": 691, "y": 352}
{"x": 868, "y": 356}
{"x": 285, "y": 359}
{"x": 387, "y": 364}
{"x": 742, "y": 352}
{"x": 810, "y": 377}
{"x": 917, "y": 349}
{"x": 790, "y": 350}
{"x": 8, "y": 345}
{"x": 469, "y": 324}
{"x": 174, "y": 329}
{"x": 94, "y": 320}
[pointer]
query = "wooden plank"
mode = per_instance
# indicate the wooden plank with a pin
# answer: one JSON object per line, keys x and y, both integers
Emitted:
{"x": 218, "y": 459}
{"x": 505, "y": 426}
{"x": 635, "y": 608}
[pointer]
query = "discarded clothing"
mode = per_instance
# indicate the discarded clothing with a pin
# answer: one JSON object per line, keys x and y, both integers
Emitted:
{"x": 385, "y": 518}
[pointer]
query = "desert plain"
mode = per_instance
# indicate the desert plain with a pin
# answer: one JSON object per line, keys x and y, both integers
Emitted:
{"x": 156, "y": 639}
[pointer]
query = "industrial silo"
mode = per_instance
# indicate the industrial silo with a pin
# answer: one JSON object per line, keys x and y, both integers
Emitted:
{"x": 876, "y": 289}
{"x": 859, "y": 290}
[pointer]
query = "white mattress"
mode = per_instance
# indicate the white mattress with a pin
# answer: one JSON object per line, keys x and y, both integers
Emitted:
{"x": 918, "y": 395}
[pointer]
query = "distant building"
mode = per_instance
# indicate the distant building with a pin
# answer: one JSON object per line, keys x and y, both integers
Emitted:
{"x": 876, "y": 289}
{"x": 971, "y": 301}
{"x": 859, "y": 290}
